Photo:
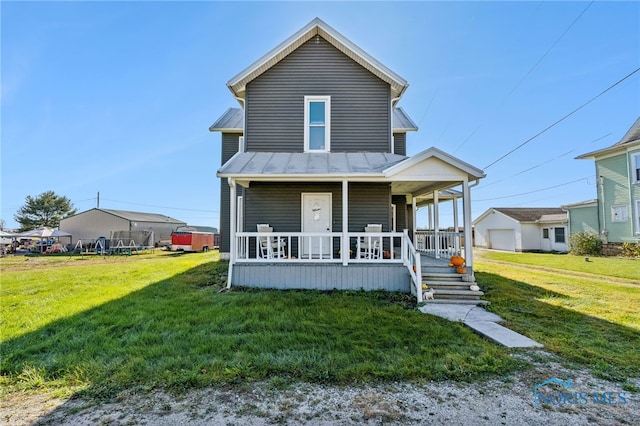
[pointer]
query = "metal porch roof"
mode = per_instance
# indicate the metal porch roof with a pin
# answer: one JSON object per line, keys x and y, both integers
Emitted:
{"x": 272, "y": 164}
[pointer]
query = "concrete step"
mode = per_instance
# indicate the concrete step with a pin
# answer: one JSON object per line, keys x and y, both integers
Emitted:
{"x": 457, "y": 293}
{"x": 442, "y": 276}
{"x": 457, "y": 302}
{"x": 442, "y": 283}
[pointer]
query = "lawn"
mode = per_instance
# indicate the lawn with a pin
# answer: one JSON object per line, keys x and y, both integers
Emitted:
{"x": 100, "y": 325}
{"x": 571, "y": 306}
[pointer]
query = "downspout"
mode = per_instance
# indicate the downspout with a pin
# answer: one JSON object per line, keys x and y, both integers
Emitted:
{"x": 632, "y": 216}
{"x": 232, "y": 228}
{"x": 393, "y": 100}
{"x": 603, "y": 231}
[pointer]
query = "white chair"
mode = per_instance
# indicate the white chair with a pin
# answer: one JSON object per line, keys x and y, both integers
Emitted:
{"x": 369, "y": 247}
{"x": 271, "y": 247}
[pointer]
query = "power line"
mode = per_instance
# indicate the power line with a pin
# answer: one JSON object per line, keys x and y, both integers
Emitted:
{"x": 541, "y": 164}
{"x": 514, "y": 88}
{"x": 563, "y": 118}
{"x": 531, "y": 192}
{"x": 162, "y": 207}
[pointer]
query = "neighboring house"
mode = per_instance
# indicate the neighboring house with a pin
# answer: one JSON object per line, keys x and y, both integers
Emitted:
{"x": 95, "y": 223}
{"x": 318, "y": 153}
{"x": 615, "y": 215}
{"x": 522, "y": 229}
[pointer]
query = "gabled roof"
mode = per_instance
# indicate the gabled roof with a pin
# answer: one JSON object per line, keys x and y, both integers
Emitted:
{"x": 433, "y": 152}
{"x": 238, "y": 84}
{"x": 631, "y": 138}
{"x": 232, "y": 121}
{"x": 530, "y": 214}
{"x": 137, "y": 216}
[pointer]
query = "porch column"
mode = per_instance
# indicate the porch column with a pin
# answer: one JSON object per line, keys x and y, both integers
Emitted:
{"x": 466, "y": 206}
{"x": 436, "y": 222}
{"x": 345, "y": 223}
{"x": 414, "y": 213}
{"x": 232, "y": 228}
{"x": 455, "y": 225}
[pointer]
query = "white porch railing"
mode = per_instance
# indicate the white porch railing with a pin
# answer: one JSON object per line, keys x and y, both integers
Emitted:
{"x": 310, "y": 247}
{"x": 413, "y": 264}
{"x": 439, "y": 244}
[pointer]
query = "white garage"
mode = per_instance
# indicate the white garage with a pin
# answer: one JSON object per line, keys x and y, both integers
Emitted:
{"x": 502, "y": 239}
{"x": 522, "y": 229}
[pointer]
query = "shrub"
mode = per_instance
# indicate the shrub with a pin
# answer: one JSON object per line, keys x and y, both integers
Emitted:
{"x": 585, "y": 244}
{"x": 631, "y": 249}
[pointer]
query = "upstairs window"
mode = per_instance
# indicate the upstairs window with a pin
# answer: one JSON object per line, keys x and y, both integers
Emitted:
{"x": 317, "y": 123}
{"x": 636, "y": 168}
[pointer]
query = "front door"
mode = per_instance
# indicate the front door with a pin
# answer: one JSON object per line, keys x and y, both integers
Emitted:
{"x": 316, "y": 218}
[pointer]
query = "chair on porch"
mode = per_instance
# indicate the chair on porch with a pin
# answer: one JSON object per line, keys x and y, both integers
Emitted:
{"x": 271, "y": 247}
{"x": 369, "y": 247}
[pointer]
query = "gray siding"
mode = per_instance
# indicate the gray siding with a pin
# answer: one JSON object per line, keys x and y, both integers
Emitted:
{"x": 401, "y": 212}
{"x": 323, "y": 277}
{"x": 229, "y": 148}
{"x": 369, "y": 203}
{"x": 400, "y": 143}
{"x": 360, "y": 102}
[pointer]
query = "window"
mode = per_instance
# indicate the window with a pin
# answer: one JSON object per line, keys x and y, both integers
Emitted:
{"x": 619, "y": 214}
{"x": 636, "y": 167}
{"x": 545, "y": 233}
{"x": 317, "y": 118}
{"x": 559, "y": 235}
{"x": 241, "y": 144}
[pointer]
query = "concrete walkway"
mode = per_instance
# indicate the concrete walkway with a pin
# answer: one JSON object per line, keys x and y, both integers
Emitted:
{"x": 482, "y": 322}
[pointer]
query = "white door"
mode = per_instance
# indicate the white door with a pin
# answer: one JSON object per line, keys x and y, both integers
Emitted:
{"x": 316, "y": 217}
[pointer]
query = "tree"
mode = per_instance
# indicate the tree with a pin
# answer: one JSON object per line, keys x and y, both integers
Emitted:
{"x": 47, "y": 209}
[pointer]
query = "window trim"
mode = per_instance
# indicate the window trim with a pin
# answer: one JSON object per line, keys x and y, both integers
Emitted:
{"x": 635, "y": 167}
{"x": 614, "y": 217}
{"x": 545, "y": 233}
{"x": 555, "y": 235}
{"x": 327, "y": 122}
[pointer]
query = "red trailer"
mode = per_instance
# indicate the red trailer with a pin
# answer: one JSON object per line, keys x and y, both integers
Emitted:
{"x": 191, "y": 241}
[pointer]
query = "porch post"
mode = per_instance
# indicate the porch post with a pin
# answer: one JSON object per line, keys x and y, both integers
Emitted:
{"x": 345, "y": 223}
{"x": 456, "y": 239}
{"x": 436, "y": 222}
{"x": 232, "y": 228}
{"x": 466, "y": 206}
{"x": 414, "y": 211}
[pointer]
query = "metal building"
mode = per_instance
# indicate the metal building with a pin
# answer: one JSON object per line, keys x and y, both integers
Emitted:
{"x": 95, "y": 223}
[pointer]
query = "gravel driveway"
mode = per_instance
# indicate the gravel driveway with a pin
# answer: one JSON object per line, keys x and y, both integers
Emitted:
{"x": 508, "y": 401}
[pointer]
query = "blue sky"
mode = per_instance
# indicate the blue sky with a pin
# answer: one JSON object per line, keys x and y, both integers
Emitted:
{"x": 117, "y": 97}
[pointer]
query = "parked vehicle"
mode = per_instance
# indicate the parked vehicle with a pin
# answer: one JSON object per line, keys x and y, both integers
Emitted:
{"x": 191, "y": 241}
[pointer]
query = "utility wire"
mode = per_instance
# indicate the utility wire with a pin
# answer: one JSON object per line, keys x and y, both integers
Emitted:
{"x": 531, "y": 192}
{"x": 540, "y": 164}
{"x": 563, "y": 118}
{"x": 161, "y": 207}
{"x": 514, "y": 88}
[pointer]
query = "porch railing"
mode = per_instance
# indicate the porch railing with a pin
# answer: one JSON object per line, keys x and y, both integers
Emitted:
{"x": 310, "y": 247}
{"x": 439, "y": 244}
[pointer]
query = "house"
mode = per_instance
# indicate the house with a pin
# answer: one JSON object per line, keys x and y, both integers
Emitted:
{"x": 94, "y": 223}
{"x": 316, "y": 188}
{"x": 615, "y": 214}
{"x": 522, "y": 229}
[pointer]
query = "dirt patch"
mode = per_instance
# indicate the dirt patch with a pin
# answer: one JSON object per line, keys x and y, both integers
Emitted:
{"x": 509, "y": 400}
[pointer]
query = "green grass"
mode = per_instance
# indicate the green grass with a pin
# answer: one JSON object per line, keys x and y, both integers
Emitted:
{"x": 626, "y": 268}
{"x": 590, "y": 320}
{"x": 104, "y": 325}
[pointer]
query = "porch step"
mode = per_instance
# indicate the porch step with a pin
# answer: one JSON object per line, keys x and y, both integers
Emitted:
{"x": 457, "y": 294}
{"x": 441, "y": 276}
{"x": 457, "y": 302}
{"x": 447, "y": 285}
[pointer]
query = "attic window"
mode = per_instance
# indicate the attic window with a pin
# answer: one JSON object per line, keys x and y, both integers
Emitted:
{"x": 317, "y": 120}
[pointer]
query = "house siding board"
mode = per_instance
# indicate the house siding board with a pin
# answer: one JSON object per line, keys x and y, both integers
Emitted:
{"x": 401, "y": 212}
{"x": 584, "y": 219}
{"x": 367, "y": 277}
{"x": 369, "y": 203}
{"x": 360, "y": 102}
{"x": 400, "y": 143}
{"x": 229, "y": 148}
{"x": 615, "y": 186}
